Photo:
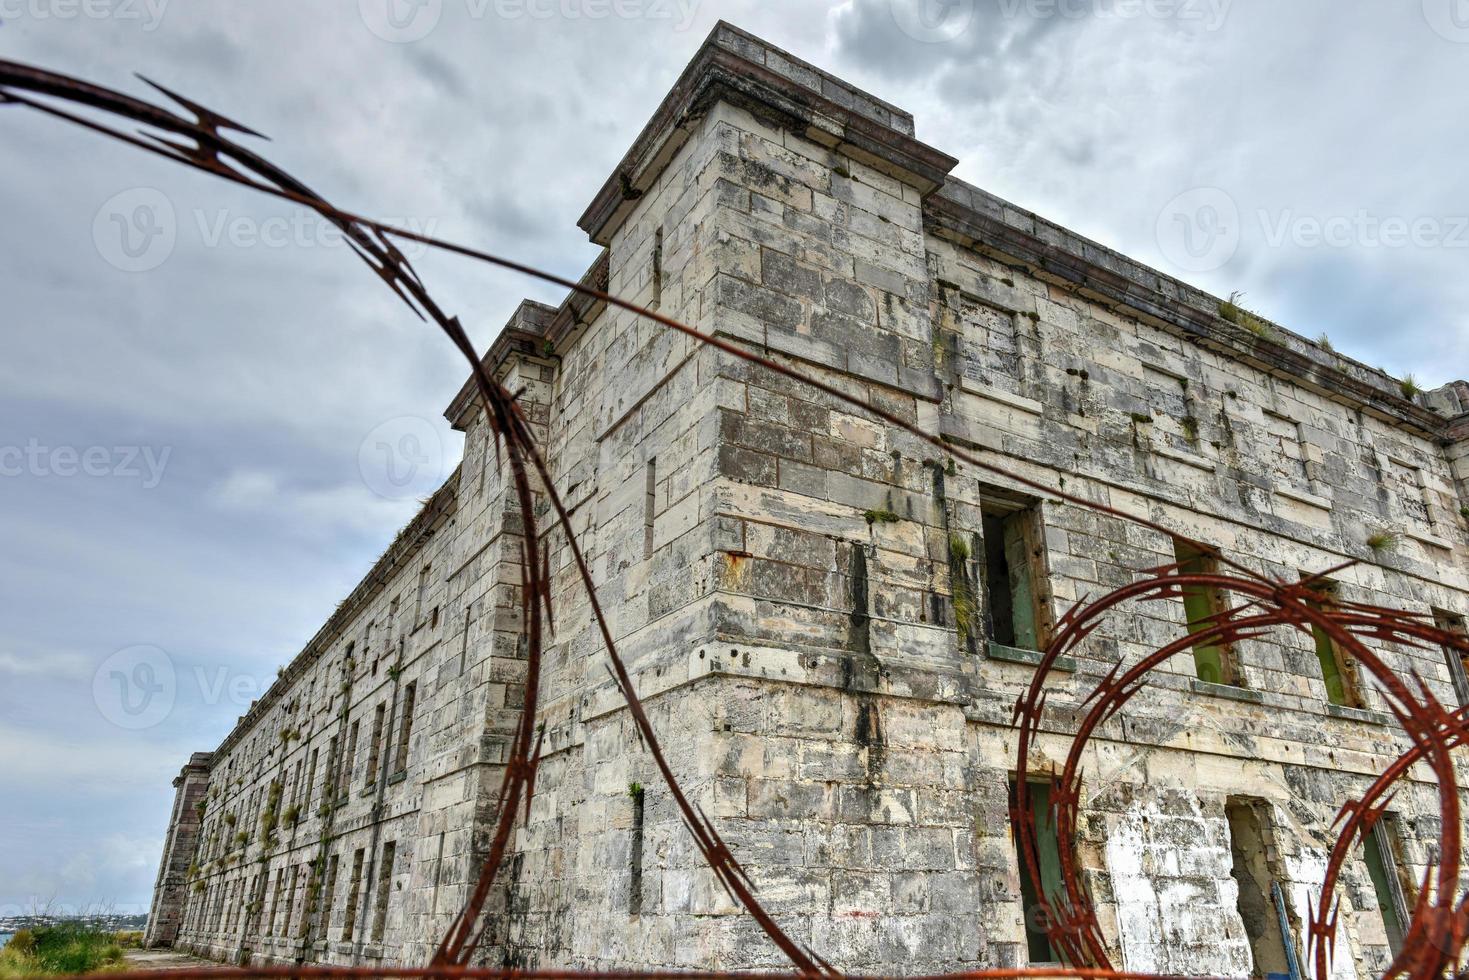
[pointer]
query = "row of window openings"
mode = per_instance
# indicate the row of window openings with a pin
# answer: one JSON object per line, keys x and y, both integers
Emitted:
{"x": 1014, "y": 610}
{"x": 254, "y": 753}
{"x": 339, "y": 768}
{"x": 1269, "y": 922}
{"x": 229, "y": 910}
{"x": 391, "y": 765}
{"x": 339, "y": 786}
{"x": 1253, "y": 856}
{"x": 419, "y": 619}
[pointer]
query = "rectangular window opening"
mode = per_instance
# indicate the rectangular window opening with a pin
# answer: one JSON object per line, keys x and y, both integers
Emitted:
{"x": 384, "y": 891}
{"x": 635, "y": 876}
{"x": 405, "y": 728}
{"x": 272, "y": 924}
{"x": 313, "y": 885}
{"x": 1253, "y": 855}
{"x": 344, "y": 781}
{"x": 310, "y": 785}
{"x": 1048, "y": 859}
{"x": 354, "y": 891}
{"x": 464, "y": 641}
{"x": 375, "y": 747}
{"x": 657, "y": 270}
{"x": 330, "y": 893}
{"x": 424, "y": 578}
{"x": 1014, "y": 559}
{"x": 291, "y": 900}
{"x": 1213, "y": 661}
{"x": 1382, "y": 867}
{"x": 438, "y": 875}
{"x": 1339, "y": 673}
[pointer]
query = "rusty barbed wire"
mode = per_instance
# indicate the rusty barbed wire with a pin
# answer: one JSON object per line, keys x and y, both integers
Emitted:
{"x": 1439, "y": 926}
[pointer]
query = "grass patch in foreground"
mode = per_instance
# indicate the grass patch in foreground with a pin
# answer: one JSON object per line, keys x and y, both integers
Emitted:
{"x": 68, "y": 948}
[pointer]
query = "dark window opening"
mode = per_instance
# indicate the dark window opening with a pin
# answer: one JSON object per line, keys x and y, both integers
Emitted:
{"x": 650, "y": 503}
{"x": 1213, "y": 661}
{"x": 1013, "y": 573}
{"x": 272, "y": 924}
{"x": 464, "y": 641}
{"x": 344, "y": 780}
{"x": 331, "y": 890}
{"x": 354, "y": 889}
{"x": 384, "y": 891}
{"x": 657, "y": 270}
{"x": 635, "y": 856}
{"x": 405, "y": 728}
{"x": 1337, "y": 669}
{"x": 1048, "y": 859}
{"x": 375, "y": 748}
{"x": 424, "y": 580}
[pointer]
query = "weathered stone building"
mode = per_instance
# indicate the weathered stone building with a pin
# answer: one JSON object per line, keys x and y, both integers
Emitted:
{"x": 829, "y": 624}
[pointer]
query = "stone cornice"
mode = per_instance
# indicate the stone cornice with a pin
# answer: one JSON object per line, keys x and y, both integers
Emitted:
{"x": 535, "y": 330}
{"x": 739, "y": 68}
{"x": 524, "y": 335}
{"x": 975, "y": 217}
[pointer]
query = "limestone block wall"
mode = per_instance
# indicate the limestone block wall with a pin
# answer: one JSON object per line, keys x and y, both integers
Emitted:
{"x": 805, "y": 597}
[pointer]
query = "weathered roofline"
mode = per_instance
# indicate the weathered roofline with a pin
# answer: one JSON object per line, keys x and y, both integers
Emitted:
{"x": 407, "y": 543}
{"x": 736, "y": 67}
{"x": 975, "y": 217}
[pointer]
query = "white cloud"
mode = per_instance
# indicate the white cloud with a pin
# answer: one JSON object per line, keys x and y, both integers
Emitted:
{"x": 59, "y": 666}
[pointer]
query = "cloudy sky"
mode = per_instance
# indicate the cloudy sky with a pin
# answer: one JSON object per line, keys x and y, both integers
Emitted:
{"x": 212, "y": 419}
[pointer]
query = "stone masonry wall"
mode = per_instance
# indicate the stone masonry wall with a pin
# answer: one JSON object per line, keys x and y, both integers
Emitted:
{"x": 798, "y": 592}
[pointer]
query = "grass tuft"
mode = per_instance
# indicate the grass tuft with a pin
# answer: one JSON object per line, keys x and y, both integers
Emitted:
{"x": 1239, "y": 316}
{"x": 1381, "y": 541}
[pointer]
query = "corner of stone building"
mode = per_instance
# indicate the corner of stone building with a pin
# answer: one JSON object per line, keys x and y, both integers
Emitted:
{"x": 1452, "y": 400}
{"x": 170, "y": 890}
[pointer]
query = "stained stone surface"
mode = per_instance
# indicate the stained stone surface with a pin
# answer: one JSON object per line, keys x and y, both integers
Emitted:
{"x": 782, "y": 577}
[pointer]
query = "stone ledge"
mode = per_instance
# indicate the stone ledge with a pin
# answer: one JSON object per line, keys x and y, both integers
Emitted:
{"x": 1018, "y": 402}
{"x": 1227, "y": 691}
{"x": 1197, "y": 462}
{"x": 1304, "y": 497}
{"x": 1430, "y": 539}
{"x": 1364, "y": 715}
{"x": 1031, "y": 658}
